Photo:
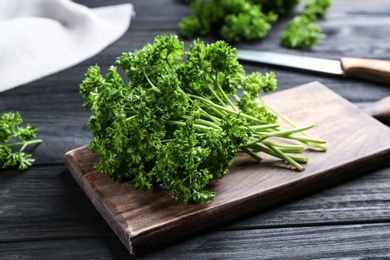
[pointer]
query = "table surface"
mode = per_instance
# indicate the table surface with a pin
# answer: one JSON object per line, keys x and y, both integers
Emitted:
{"x": 45, "y": 215}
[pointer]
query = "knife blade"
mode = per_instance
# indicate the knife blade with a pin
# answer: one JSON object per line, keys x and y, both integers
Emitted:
{"x": 368, "y": 69}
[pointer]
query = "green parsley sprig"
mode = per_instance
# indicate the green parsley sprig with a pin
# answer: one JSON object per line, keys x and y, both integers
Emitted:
{"x": 12, "y": 136}
{"x": 179, "y": 124}
{"x": 235, "y": 20}
{"x": 301, "y": 31}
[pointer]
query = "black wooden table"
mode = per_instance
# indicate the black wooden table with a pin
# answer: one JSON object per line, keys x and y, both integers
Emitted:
{"x": 45, "y": 215}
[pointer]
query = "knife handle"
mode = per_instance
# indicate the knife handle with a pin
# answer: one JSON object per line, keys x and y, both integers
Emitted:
{"x": 368, "y": 69}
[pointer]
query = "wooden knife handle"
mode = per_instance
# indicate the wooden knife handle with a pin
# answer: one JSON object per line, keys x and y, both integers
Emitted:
{"x": 368, "y": 69}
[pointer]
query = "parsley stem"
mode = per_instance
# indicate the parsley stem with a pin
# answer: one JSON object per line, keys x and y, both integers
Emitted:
{"x": 225, "y": 108}
{"x": 223, "y": 92}
{"x": 288, "y": 148}
{"x": 251, "y": 153}
{"x": 299, "y": 159}
{"x": 23, "y": 144}
{"x": 215, "y": 94}
{"x": 198, "y": 126}
{"x": 322, "y": 146}
{"x": 207, "y": 123}
{"x": 262, "y": 127}
{"x": 212, "y": 118}
{"x": 284, "y": 157}
{"x": 150, "y": 82}
{"x": 288, "y": 132}
{"x": 257, "y": 148}
{"x": 221, "y": 113}
{"x": 236, "y": 97}
{"x": 309, "y": 140}
{"x": 131, "y": 117}
{"x": 265, "y": 149}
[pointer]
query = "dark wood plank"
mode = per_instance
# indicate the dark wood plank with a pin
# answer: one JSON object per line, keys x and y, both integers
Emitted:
{"x": 324, "y": 242}
{"x": 45, "y": 203}
{"x": 105, "y": 248}
{"x": 362, "y": 200}
{"x": 368, "y": 241}
{"x": 143, "y": 220}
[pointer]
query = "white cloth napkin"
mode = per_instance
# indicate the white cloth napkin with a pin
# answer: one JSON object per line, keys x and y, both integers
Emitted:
{"x": 42, "y": 37}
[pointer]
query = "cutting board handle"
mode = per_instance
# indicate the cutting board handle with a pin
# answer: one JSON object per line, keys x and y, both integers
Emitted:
{"x": 369, "y": 69}
{"x": 380, "y": 110}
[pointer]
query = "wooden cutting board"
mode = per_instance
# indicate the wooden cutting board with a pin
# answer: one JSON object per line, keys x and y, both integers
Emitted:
{"x": 144, "y": 220}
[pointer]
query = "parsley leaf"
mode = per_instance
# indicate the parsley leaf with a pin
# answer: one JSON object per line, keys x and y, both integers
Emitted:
{"x": 11, "y": 130}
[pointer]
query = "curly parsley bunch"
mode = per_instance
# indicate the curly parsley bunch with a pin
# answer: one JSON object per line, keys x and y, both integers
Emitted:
{"x": 179, "y": 123}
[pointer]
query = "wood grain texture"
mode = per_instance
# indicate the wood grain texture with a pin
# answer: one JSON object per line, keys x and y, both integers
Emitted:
{"x": 324, "y": 242}
{"x": 46, "y": 203}
{"x": 144, "y": 220}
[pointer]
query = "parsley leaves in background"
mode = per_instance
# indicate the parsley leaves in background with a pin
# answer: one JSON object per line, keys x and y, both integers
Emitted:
{"x": 301, "y": 31}
{"x": 179, "y": 123}
{"x": 240, "y": 20}
{"x": 12, "y": 136}
{"x": 236, "y": 20}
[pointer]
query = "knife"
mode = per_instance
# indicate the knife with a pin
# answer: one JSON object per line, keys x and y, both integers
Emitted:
{"x": 368, "y": 69}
